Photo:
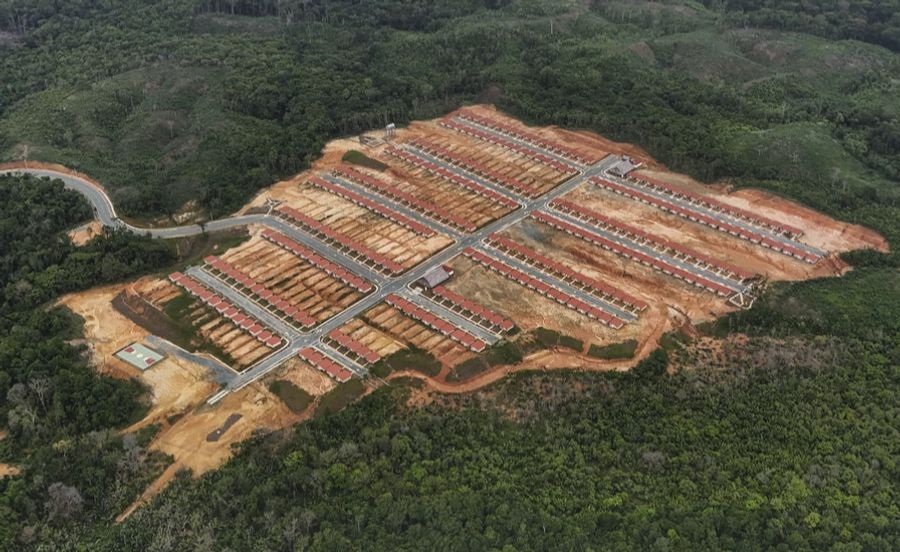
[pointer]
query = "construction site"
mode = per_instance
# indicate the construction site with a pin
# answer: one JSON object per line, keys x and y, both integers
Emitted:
{"x": 432, "y": 251}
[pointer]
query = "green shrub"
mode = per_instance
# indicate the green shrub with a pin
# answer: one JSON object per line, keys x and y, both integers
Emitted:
{"x": 380, "y": 369}
{"x": 616, "y": 351}
{"x": 412, "y": 359}
{"x": 339, "y": 397}
{"x": 295, "y": 398}
{"x": 653, "y": 366}
{"x": 547, "y": 337}
{"x": 674, "y": 340}
{"x": 552, "y": 338}
{"x": 570, "y": 342}
{"x": 359, "y": 158}
{"x": 468, "y": 369}
{"x": 504, "y": 352}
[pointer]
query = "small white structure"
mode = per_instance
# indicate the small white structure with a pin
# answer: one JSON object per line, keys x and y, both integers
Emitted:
{"x": 623, "y": 167}
{"x": 389, "y": 131}
{"x": 435, "y": 277}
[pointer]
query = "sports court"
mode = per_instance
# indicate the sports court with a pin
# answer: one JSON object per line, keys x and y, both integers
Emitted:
{"x": 139, "y": 356}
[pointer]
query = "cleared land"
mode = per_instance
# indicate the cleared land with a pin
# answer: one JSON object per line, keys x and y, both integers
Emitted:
{"x": 447, "y": 259}
{"x": 437, "y": 182}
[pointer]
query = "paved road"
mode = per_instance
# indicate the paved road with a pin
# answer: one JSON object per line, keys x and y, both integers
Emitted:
{"x": 248, "y": 305}
{"x": 717, "y": 215}
{"x": 97, "y": 197}
{"x": 106, "y": 214}
{"x": 342, "y": 359}
{"x": 221, "y": 372}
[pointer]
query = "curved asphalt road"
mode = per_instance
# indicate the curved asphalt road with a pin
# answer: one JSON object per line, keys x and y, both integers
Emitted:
{"x": 105, "y": 212}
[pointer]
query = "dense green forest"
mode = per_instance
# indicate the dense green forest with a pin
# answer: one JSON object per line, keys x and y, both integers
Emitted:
{"x": 791, "y": 442}
{"x": 184, "y": 97}
{"x": 56, "y": 411}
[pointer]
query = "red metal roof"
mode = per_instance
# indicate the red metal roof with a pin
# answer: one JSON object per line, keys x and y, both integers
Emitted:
{"x": 333, "y": 235}
{"x": 510, "y": 145}
{"x": 543, "y": 262}
{"x": 542, "y": 288}
{"x": 633, "y": 254}
{"x": 467, "y": 183}
{"x": 476, "y": 167}
{"x": 358, "y": 349}
{"x": 429, "y": 319}
{"x": 382, "y": 210}
{"x": 523, "y": 134}
{"x": 316, "y": 260}
{"x": 410, "y": 200}
{"x": 473, "y": 308}
{"x": 596, "y": 218}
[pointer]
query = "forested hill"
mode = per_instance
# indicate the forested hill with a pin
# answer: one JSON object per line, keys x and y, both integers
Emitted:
{"x": 778, "y": 431}
{"x": 874, "y": 22}
{"x": 171, "y": 101}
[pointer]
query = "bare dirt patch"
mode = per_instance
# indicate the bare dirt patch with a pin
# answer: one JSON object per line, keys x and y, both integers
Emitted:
{"x": 8, "y": 470}
{"x": 819, "y": 230}
{"x": 85, "y": 233}
{"x": 175, "y": 384}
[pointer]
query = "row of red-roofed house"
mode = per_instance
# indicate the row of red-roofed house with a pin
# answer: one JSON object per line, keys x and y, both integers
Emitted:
{"x": 373, "y": 206}
{"x": 544, "y": 289}
{"x": 348, "y": 245}
{"x": 476, "y": 167}
{"x": 224, "y": 307}
{"x": 404, "y": 198}
{"x": 438, "y": 324}
{"x": 447, "y": 174}
{"x": 694, "y": 257}
{"x": 508, "y": 144}
{"x": 358, "y": 351}
{"x": 629, "y": 253}
{"x": 457, "y": 303}
{"x": 716, "y": 205}
{"x": 558, "y": 269}
{"x": 325, "y": 364}
{"x": 702, "y": 218}
{"x": 522, "y": 134}
{"x": 332, "y": 269}
{"x": 297, "y": 315}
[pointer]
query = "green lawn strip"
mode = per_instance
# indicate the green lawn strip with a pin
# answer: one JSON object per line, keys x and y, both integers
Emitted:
{"x": 293, "y": 397}
{"x": 355, "y": 157}
{"x": 615, "y": 351}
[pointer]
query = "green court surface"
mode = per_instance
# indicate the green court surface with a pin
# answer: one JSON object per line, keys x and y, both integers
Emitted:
{"x": 139, "y": 356}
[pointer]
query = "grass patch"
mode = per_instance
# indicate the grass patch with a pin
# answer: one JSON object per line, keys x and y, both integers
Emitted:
{"x": 355, "y": 157}
{"x": 673, "y": 340}
{"x": 551, "y": 338}
{"x": 468, "y": 369}
{"x": 295, "y": 398}
{"x": 341, "y": 396}
{"x": 616, "y": 351}
{"x": 194, "y": 248}
{"x": 406, "y": 381}
{"x": 503, "y": 352}
{"x": 408, "y": 359}
{"x": 178, "y": 310}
